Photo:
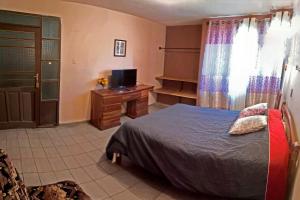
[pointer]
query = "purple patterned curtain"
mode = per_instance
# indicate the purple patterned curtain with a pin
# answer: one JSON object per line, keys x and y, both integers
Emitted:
{"x": 213, "y": 87}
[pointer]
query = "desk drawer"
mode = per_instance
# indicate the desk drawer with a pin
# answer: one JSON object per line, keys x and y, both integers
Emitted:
{"x": 112, "y": 107}
{"x": 111, "y": 114}
{"x": 129, "y": 97}
{"x": 111, "y": 100}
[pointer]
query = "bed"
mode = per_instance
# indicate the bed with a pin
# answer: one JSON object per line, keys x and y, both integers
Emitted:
{"x": 191, "y": 147}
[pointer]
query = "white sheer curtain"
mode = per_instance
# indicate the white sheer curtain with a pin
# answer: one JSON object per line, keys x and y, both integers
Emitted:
{"x": 273, "y": 51}
{"x": 242, "y": 63}
{"x": 265, "y": 79}
{"x": 255, "y": 70}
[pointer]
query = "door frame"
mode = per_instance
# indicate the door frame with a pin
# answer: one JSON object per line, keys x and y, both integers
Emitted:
{"x": 38, "y": 49}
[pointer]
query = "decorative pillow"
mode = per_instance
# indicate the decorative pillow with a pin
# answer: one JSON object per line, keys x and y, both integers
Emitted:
{"x": 248, "y": 124}
{"x": 257, "y": 109}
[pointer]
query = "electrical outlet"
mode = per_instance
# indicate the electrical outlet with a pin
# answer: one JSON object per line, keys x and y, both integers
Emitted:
{"x": 292, "y": 92}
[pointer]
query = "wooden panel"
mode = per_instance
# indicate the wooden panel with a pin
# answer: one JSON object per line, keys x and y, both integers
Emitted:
{"x": 182, "y": 65}
{"x": 185, "y": 63}
{"x": 96, "y": 109}
{"x": 27, "y": 106}
{"x": 188, "y": 101}
{"x": 48, "y": 113}
{"x": 3, "y": 111}
{"x": 167, "y": 99}
{"x": 183, "y": 36}
{"x": 13, "y": 105}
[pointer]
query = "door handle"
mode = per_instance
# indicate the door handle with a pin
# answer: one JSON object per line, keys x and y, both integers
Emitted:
{"x": 37, "y": 83}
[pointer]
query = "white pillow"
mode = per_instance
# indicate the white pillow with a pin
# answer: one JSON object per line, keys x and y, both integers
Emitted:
{"x": 257, "y": 106}
{"x": 248, "y": 124}
{"x": 257, "y": 109}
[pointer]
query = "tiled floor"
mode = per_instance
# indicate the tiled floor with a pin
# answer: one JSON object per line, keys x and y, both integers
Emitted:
{"x": 76, "y": 152}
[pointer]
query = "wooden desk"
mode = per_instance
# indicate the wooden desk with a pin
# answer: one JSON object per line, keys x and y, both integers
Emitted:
{"x": 106, "y": 105}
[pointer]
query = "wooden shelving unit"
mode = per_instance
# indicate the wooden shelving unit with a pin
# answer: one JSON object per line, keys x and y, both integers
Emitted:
{"x": 184, "y": 94}
{"x": 179, "y": 81}
{"x": 176, "y": 79}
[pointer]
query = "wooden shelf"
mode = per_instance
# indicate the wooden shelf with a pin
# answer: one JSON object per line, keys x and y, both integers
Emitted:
{"x": 176, "y": 79}
{"x": 189, "y": 95}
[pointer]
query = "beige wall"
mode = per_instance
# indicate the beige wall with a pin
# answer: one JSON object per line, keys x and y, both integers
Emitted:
{"x": 292, "y": 82}
{"x": 87, "y": 48}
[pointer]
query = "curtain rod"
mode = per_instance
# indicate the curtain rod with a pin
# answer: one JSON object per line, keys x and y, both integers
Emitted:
{"x": 258, "y": 15}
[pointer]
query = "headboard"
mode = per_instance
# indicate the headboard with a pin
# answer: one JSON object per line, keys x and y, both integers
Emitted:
{"x": 294, "y": 146}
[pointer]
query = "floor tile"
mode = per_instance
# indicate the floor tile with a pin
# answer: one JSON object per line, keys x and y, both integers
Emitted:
{"x": 47, "y": 178}
{"x": 31, "y": 179}
{"x": 126, "y": 195}
{"x": 95, "y": 171}
{"x": 14, "y": 152}
{"x": 38, "y": 153}
{"x": 12, "y": 143}
{"x": 43, "y": 165}
{"x": 23, "y": 142}
{"x": 87, "y": 146}
{"x": 18, "y": 165}
{"x": 71, "y": 162}
{"x": 97, "y": 156}
{"x": 64, "y": 175}
{"x": 26, "y": 152}
{"x": 110, "y": 185}
{"x": 28, "y": 165}
{"x": 109, "y": 167}
{"x": 145, "y": 191}
{"x": 3, "y": 143}
{"x": 80, "y": 175}
{"x": 94, "y": 190}
{"x": 58, "y": 142}
{"x": 51, "y": 152}
{"x": 46, "y": 143}
{"x": 68, "y": 140}
{"x": 35, "y": 142}
{"x": 57, "y": 164}
{"x": 84, "y": 160}
{"x": 80, "y": 139}
{"x": 125, "y": 178}
{"x": 63, "y": 150}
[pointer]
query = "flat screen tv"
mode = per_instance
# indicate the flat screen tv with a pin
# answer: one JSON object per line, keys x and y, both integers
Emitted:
{"x": 123, "y": 78}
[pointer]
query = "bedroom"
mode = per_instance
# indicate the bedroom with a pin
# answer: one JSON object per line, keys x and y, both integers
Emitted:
{"x": 163, "y": 40}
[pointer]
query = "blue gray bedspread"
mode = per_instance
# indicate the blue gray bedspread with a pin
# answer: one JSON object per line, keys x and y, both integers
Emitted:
{"x": 191, "y": 147}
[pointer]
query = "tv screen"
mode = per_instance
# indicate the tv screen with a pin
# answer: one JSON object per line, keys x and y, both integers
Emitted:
{"x": 123, "y": 78}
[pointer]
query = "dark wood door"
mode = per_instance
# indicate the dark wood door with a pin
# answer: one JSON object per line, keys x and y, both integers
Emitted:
{"x": 19, "y": 76}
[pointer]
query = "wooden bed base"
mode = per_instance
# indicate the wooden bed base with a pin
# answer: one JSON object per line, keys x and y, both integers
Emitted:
{"x": 294, "y": 147}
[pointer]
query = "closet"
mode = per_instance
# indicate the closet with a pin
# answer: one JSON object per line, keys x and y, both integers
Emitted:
{"x": 179, "y": 81}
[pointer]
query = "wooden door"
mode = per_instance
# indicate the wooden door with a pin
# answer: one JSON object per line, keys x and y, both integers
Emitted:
{"x": 19, "y": 76}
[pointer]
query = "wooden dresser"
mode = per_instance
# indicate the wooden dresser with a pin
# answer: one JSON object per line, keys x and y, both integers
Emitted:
{"x": 106, "y": 105}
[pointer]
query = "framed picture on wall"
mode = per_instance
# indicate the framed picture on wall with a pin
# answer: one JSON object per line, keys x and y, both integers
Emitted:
{"x": 120, "y": 48}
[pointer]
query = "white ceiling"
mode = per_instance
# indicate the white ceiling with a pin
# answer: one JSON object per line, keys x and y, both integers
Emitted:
{"x": 181, "y": 12}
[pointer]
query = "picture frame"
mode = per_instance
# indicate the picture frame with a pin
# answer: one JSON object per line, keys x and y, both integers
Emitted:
{"x": 120, "y": 48}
